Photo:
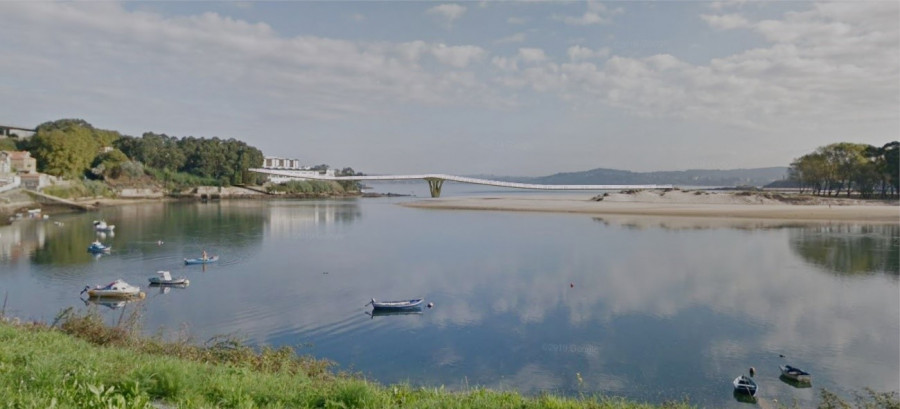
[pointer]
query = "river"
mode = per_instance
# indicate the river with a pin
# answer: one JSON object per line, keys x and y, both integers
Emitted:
{"x": 559, "y": 303}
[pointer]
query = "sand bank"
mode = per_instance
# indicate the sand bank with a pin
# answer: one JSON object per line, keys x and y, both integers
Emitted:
{"x": 690, "y": 204}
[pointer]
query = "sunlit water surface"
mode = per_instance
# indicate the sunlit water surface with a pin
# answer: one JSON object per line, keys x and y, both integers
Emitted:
{"x": 567, "y": 304}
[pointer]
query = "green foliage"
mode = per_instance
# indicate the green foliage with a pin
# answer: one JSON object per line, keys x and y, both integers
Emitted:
{"x": 67, "y": 147}
{"x": 306, "y": 187}
{"x": 224, "y": 161}
{"x": 7, "y": 144}
{"x": 80, "y": 189}
{"x": 179, "y": 181}
{"x": 109, "y": 164}
{"x": 848, "y": 167}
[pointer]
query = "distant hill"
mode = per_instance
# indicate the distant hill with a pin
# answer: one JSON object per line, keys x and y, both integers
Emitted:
{"x": 692, "y": 177}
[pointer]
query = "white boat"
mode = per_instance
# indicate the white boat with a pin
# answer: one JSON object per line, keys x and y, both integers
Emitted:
{"x": 115, "y": 289}
{"x": 100, "y": 225}
{"x": 396, "y": 305}
{"x": 165, "y": 278}
{"x": 796, "y": 374}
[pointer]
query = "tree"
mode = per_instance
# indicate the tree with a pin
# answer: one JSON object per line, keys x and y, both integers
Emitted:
{"x": 64, "y": 152}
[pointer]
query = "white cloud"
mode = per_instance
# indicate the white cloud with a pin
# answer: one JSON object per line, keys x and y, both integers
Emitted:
{"x": 726, "y": 21}
{"x": 834, "y": 62}
{"x": 532, "y": 55}
{"x": 457, "y": 56}
{"x": 449, "y": 12}
{"x": 579, "y": 53}
{"x": 596, "y": 13}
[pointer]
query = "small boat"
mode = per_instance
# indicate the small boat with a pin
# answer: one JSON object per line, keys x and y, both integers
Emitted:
{"x": 165, "y": 278}
{"x": 100, "y": 225}
{"x": 115, "y": 289}
{"x": 97, "y": 247}
{"x": 201, "y": 260}
{"x": 385, "y": 313}
{"x": 745, "y": 385}
{"x": 796, "y": 374}
{"x": 396, "y": 305}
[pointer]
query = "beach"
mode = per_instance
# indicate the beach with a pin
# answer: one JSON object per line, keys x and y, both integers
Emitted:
{"x": 668, "y": 204}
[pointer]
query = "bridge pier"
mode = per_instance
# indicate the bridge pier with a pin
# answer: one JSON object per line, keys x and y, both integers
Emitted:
{"x": 435, "y": 186}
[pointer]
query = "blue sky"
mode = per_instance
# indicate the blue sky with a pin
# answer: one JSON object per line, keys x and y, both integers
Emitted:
{"x": 504, "y": 88}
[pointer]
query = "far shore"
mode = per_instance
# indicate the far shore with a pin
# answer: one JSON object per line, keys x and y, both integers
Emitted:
{"x": 625, "y": 206}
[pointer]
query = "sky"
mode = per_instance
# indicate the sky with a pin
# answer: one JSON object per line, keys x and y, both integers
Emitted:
{"x": 525, "y": 88}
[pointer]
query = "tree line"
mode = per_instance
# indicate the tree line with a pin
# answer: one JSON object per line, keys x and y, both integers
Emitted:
{"x": 73, "y": 148}
{"x": 845, "y": 168}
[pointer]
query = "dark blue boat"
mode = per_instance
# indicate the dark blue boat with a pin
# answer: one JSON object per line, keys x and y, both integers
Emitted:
{"x": 97, "y": 248}
{"x": 745, "y": 385}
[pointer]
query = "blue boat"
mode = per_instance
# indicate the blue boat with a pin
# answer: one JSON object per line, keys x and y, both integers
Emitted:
{"x": 97, "y": 248}
{"x": 201, "y": 260}
{"x": 744, "y": 385}
{"x": 396, "y": 305}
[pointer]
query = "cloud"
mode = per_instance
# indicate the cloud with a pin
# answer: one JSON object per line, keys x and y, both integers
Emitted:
{"x": 532, "y": 55}
{"x": 579, "y": 53}
{"x": 726, "y": 22}
{"x": 596, "y": 13}
{"x": 833, "y": 62}
{"x": 449, "y": 12}
{"x": 457, "y": 56}
{"x": 216, "y": 65}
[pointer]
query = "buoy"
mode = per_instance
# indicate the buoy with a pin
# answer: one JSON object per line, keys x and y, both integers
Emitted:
{"x": 752, "y": 371}
{"x": 571, "y": 285}
{"x": 159, "y": 243}
{"x": 431, "y": 304}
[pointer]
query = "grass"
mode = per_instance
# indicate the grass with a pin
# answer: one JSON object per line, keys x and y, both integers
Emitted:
{"x": 78, "y": 362}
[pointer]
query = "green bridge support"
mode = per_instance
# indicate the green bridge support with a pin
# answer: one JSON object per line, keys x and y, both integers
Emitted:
{"x": 435, "y": 186}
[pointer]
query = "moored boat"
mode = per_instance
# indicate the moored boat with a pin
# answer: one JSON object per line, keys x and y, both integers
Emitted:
{"x": 97, "y": 247}
{"x": 115, "y": 289}
{"x": 396, "y": 305}
{"x": 743, "y": 384}
{"x": 100, "y": 225}
{"x": 201, "y": 260}
{"x": 165, "y": 278}
{"x": 796, "y": 374}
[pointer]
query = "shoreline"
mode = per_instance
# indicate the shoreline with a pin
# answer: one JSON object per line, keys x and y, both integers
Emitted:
{"x": 836, "y": 210}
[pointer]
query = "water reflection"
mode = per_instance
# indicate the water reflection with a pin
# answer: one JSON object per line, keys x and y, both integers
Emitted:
{"x": 850, "y": 249}
{"x": 523, "y": 301}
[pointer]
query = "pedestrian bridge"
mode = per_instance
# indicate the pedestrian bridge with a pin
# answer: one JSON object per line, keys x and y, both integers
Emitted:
{"x": 436, "y": 181}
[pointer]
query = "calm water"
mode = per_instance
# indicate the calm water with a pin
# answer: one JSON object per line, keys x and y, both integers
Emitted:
{"x": 652, "y": 311}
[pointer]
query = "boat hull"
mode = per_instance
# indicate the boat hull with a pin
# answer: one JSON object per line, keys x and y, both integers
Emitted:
{"x": 189, "y": 261}
{"x": 114, "y": 294}
{"x": 795, "y": 374}
{"x": 745, "y": 385}
{"x": 397, "y": 305}
{"x": 174, "y": 281}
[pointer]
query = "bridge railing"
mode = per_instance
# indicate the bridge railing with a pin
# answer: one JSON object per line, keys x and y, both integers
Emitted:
{"x": 435, "y": 181}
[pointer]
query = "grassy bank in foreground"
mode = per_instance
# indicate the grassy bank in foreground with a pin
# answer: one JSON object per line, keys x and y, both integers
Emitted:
{"x": 81, "y": 363}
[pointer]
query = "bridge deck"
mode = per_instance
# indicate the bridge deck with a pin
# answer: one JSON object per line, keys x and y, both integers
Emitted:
{"x": 462, "y": 179}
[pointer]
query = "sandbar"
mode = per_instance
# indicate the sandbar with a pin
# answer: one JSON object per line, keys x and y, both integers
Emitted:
{"x": 688, "y": 204}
